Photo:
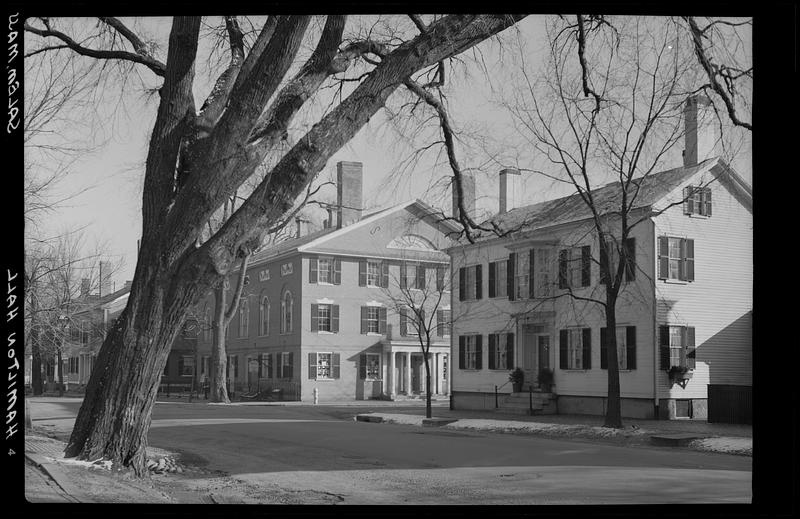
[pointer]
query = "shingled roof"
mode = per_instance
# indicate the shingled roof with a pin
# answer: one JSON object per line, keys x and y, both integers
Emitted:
{"x": 572, "y": 208}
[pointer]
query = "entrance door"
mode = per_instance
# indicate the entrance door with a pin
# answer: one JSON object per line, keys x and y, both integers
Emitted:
{"x": 543, "y": 343}
{"x": 529, "y": 356}
{"x": 252, "y": 374}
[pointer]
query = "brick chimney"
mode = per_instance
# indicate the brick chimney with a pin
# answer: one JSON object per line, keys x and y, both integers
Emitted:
{"x": 468, "y": 185}
{"x": 700, "y": 135}
{"x": 349, "y": 181}
{"x": 300, "y": 227}
{"x": 504, "y": 184}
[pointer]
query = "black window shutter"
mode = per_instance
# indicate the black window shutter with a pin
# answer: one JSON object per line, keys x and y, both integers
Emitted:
{"x": 364, "y": 327}
{"x": 335, "y": 366}
{"x": 691, "y": 351}
{"x": 421, "y": 270}
{"x": 509, "y": 350}
{"x": 586, "y": 266}
{"x": 688, "y": 200}
{"x": 492, "y": 280}
{"x": 384, "y": 274}
{"x": 337, "y": 271}
{"x": 630, "y": 346}
{"x": 312, "y": 270}
{"x": 362, "y": 273}
{"x": 461, "y": 351}
{"x": 587, "y": 348}
{"x": 439, "y": 279}
{"x": 290, "y": 367}
{"x": 478, "y": 282}
{"x": 314, "y": 317}
{"x": 235, "y": 366}
{"x": 604, "y": 262}
{"x": 689, "y": 259}
{"x": 462, "y": 283}
{"x": 663, "y": 345}
{"x": 479, "y": 352}
{"x": 312, "y": 366}
{"x": 492, "y": 350}
{"x": 260, "y": 361}
{"x": 708, "y": 201}
{"x": 510, "y": 272}
{"x": 630, "y": 259}
{"x": 439, "y": 324}
{"x": 335, "y": 318}
{"x": 423, "y": 324}
{"x": 563, "y": 257}
{"x": 362, "y": 366}
{"x": 682, "y": 262}
{"x": 403, "y": 280}
{"x": 381, "y": 320}
{"x": 603, "y": 348}
{"x": 663, "y": 257}
{"x": 563, "y": 339}
{"x": 403, "y": 322}
{"x": 531, "y": 274}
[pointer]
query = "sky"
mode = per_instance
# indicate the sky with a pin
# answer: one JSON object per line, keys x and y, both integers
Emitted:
{"x": 112, "y": 174}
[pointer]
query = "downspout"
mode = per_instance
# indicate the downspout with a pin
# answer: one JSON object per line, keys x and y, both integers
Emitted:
{"x": 450, "y": 364}
{"x": 656, "y": 353}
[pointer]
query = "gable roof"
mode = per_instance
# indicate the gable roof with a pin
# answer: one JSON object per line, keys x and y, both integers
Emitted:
{"x": 94, "y": 303}
{"x": 416, "y": 207}
{"x": 572, "y": 208}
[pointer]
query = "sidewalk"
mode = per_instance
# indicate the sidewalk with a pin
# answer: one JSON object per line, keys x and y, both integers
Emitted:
{"x": 693, "y": 434}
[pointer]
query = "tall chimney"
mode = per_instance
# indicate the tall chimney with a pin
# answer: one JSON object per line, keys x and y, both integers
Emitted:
{"x": 299, "y": 227}
{"x": 85, "y": 284}
{"x": 128, "y": 284}
{"x": 329, "y": 222}
{"x": 468, "y": 186}
{"x": 700, "y": 137}
{"x": 349, "y": 180}
{"x": 504, "y": 194}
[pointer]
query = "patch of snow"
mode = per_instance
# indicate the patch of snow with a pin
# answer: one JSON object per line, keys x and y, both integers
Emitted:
{"x": 726, "y": 444}
{"x": 406, "y": 419}
{"x": 542, "y": 427}
{"x": 99, "y": 464}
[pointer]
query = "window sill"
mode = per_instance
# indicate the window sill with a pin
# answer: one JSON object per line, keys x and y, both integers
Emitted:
{"x": 675, "y": 281}
{"x": 698, "y": 216}
{"x": 372, "y": 379}
{"x": 499, "y": 370}
{"x": 374, "y": 334}
{"x": 325, "y": 379}
{"x": 575, "y": 370}
{"x": 323, "y": 332}
{"x": 499, "y": 297}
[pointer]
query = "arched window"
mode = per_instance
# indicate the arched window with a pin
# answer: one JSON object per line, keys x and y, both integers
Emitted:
{"x": 263, "y": 316}
{"x": 244, "y": 316}
{"x": 286, "y": 312}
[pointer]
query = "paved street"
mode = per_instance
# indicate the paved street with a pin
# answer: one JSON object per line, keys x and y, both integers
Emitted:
{"x": 324, "y": 451}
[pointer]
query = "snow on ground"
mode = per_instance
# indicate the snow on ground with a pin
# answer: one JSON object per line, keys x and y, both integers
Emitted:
{"x": 549, "y": 428}
{"x": 727, "y": 444}
{"x": 407, "y": 419}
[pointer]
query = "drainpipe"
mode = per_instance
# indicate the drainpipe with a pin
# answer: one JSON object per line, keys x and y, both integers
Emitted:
{"x": 656, "y": 353}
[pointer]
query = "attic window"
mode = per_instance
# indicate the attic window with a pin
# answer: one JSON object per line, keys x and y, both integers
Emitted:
{"x": 697, "y": 200}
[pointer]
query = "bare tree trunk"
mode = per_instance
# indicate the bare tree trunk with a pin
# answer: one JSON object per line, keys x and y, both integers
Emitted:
{"x": 219, "y": 358}
{"x": 36, "y": 364}
{"x": 428, "y": 410}
{"x": 60, "y": 368}
{"x": 613, "y": 409}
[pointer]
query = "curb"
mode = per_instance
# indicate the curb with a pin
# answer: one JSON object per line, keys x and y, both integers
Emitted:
{"x": 675, "y": 440}
{"x": 368, "y": 418}
{"x": 56, "y": 475}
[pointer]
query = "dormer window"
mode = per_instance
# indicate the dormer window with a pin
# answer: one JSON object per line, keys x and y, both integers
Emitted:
{"x": 697, "y": 200}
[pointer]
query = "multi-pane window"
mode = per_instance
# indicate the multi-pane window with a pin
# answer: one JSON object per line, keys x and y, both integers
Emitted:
{"x": 498, "y": 278}
{"x": 84, "y": 332}
{"x": 373, "y": 319}
{"x": 244, "y": 317}
{"x": 412, "y": 321}
{"x": 323, "y": 365}
{"x": 443, "y": 318}
{"x": 574, "y": 267}
{"x": 543, "y": 282}
{"x": 373, "y": 273}
{"x": 501, "y": 350}
{"x": 324, "y": 270}
{"x": 372, "y": 366}
{"x": 677, "y": 346}
{"x": 470, "y": 283}
{"x": 575, "y": 348}
{"x": 675, "y": 258}
{"x": 412, "y": 276}
{"x": 263, "y": 316}
{"x": 264, "y": 365}
{"x": 73, "y": 364}
{"x": 610, "y": 258}
{"x": 697, "y": 200}
{"x": 469, "y": 351}
{"x": 186, "y": 365}
{"x": 522, "y": 275}
{"x": 324, "y": 318}
{"x": 285, "y": 367}
{"x": 626, "y": 347}
{"x": 287, "y": 304}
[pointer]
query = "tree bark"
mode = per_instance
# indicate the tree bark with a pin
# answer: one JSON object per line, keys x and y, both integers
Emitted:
{"x": 219, "y": 357}
{"x": 60, "y": 368}
{"x": 613, "y": 408}
{"x": 428, "y": 410}
{"x": 36, "y": 364}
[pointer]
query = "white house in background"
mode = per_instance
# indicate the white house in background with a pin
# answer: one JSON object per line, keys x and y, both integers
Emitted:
{"x": 687, "y": 301}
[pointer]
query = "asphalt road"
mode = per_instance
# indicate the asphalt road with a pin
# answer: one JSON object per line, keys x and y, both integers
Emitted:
{"x": 324, "y": 451}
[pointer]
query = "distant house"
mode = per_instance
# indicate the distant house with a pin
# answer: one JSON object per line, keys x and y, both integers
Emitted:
{"x": 320, "y": 311}
{"x": 687, "y": 301}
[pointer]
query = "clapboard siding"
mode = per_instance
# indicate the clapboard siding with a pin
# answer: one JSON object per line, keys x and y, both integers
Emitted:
{"x": 719, "y": 301}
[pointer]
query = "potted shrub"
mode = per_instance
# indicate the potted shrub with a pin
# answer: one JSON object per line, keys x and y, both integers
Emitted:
{"x": 546, "y": 379}
{"x": 517, "y": 377}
